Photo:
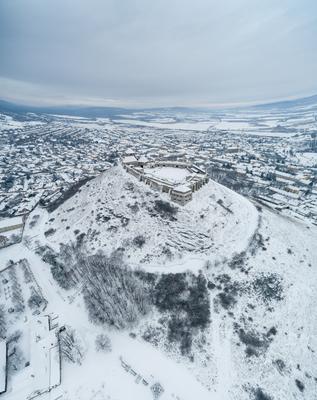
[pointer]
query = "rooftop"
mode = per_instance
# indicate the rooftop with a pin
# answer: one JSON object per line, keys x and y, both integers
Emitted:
{"x": 182, "y": 189}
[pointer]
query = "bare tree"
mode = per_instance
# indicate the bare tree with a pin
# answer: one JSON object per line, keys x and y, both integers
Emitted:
{"x": 72, "y": 348}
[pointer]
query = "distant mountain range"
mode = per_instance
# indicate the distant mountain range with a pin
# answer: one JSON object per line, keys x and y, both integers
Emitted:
{"x": 304, "y": 101}
{"x": 80, "y": 111}
{"x": 110, "y": 112}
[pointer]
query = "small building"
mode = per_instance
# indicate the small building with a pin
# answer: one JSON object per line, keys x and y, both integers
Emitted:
{"x": 142, "y": 161}
{"x": 3, "y": 366}
{"x": 182, "y": 194}
{"x": 45, "y": 358}
{"x": 130, "y": 160}
{"x": 130, "y": 152}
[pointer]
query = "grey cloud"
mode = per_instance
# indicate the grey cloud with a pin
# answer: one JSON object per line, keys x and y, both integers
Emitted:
{"x": 164, "y": 51}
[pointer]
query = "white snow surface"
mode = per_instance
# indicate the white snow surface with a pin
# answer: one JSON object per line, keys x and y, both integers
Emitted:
{"x": 118, "y": 208}
{"x": 169, "y": 174}
{"x": 220, "y": 369}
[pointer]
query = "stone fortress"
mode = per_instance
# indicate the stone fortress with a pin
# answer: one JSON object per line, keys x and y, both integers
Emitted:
{"x": 178, "y": 178}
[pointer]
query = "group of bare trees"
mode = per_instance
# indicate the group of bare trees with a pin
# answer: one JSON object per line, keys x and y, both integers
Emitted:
{"x": 113, "y": 294}
{"x": 17, "y": 296}
{"x": 3, "y": 325}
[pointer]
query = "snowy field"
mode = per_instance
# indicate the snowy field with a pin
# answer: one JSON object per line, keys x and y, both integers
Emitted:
{"x": 184, "y": 126}
{"x": 255, "y": 122}
{"x": 7, "y": 122}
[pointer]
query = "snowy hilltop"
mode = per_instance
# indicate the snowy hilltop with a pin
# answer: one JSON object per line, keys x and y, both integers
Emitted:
{"x": 116, "y": 212}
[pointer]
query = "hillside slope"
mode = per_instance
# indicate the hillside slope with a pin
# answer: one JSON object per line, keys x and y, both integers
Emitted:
{"x": 260, "y": 342}
{"x": 116, "y": 211}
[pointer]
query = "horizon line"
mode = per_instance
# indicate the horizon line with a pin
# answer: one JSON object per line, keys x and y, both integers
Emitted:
{"x": 102, "y": 103}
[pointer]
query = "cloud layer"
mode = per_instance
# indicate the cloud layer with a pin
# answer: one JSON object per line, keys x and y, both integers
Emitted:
{"x": 164, "y": 52}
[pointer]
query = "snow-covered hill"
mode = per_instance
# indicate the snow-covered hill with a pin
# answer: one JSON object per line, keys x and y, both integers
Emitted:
{"x": 116, "y": 211}
{"x": 260, "y": 270}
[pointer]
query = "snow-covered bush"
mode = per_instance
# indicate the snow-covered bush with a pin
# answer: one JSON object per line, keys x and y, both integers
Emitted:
{"x": 157, "y": 390}
{"x": 49, "y": 232}
{"x": 3, "y": 241}
{"x": 139, "y": 241}
{"x": 35, "y": 300}
{"x": 269, "y": 287}
{"x": 103, "y": 343}
{"x": 165, "y": 209}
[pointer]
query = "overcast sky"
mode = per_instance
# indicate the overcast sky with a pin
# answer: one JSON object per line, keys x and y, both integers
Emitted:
{"x": 157, "y": 52}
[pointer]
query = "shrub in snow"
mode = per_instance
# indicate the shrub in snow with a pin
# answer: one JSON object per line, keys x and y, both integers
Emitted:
{"x": 238, "y": 260}
{"x": 256, "y": 342}
{"x": 269, "y": 287}
{"x": 300, "y": 385}
{"x": 103, "y": 343}
{"x": 3, "y": 241}
{"x": 49, "y": 232}
{"x": 157, "y": 390}
{"x": 227, "y": 300}
{"x": 165, "y": 209}
{"x": 33, "y": 221}
{"x": 259, "y": 394}
{"x": 15, "y": 238}
{"x": 35, "y": 300}
{"x": 139, "y": 241}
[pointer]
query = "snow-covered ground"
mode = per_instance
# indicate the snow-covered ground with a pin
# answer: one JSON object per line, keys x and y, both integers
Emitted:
{"x": 7, "y": 122}
{"x": 185, "y": 126}
{"x": 309, "y": 159}
{"x": 262, "y": 339}
{"x": 116, "y": 208}
{"x": 175, "y": 176}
